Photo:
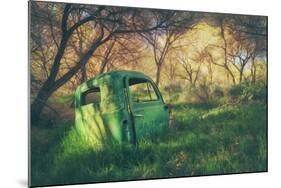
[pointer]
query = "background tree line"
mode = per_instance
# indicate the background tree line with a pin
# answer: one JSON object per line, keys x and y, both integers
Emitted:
{"x": 70, "y": 43}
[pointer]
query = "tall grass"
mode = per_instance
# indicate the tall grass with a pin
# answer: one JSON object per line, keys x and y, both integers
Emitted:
{"x": 207, "y": 139}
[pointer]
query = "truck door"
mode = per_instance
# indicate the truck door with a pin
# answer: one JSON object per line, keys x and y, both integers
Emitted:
{"x": 150, "y": 114}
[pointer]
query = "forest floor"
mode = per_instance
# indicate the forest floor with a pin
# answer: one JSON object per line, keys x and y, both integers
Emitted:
{"x": 206, "y": 140}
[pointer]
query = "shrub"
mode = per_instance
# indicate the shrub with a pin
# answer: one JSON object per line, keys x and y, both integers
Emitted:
{"x": 217, "y": 92}
{"x": 206, "y": 93}
{"x": 173, "y": 91}
{"x": 175, "y": 88}
{"x": 247, "y": 91}
{"x": 203, "y": 93}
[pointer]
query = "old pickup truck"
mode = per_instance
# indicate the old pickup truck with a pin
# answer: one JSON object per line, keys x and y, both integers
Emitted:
{"x": 124, "y": 106}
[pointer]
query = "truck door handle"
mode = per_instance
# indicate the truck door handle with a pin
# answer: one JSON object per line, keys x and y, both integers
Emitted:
{"x": 139, "y": 115}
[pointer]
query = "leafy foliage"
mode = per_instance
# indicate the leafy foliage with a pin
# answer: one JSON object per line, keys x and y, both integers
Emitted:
{"x": 246, "y": 91}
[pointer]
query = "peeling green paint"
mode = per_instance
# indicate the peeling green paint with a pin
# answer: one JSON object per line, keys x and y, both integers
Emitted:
{"x": 116, "y": 118}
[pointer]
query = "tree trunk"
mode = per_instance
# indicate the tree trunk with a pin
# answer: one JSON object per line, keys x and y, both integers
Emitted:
{"x": 225, "y": 53}
{"x": 231, "y": 75}
{"x": 241, "y": 72}
{"x": 233, "y": 78}
{"x": 240, "y": 76}
{"x": 158, "y": 72}
{"x": 102, "y": 67}
{"x": 39, "y": 102}
{"x": 83, "y": 74}
{"x": 253, "y": 71}
{"x": 254, "y": 74}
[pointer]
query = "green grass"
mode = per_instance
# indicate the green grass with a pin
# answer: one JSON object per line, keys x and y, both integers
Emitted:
{"x": 207, "y": 139}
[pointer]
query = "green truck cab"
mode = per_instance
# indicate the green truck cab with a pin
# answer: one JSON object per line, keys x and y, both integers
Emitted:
{"x": 121, "y": 106}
